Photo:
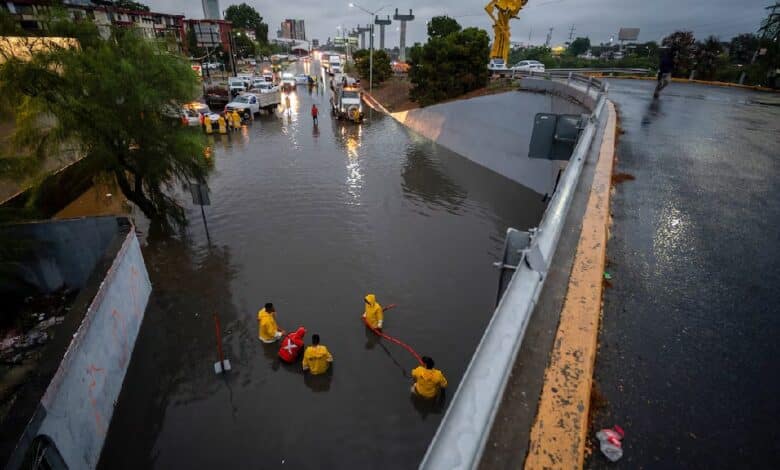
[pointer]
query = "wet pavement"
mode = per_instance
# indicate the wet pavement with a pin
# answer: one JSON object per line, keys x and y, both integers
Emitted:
{"x": 313, "y": 218}
{"x": 688, "y": 349}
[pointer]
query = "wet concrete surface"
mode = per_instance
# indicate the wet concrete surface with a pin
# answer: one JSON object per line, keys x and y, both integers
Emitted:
{"x": 688, "y": 349}
{"x": 312, "y": 219}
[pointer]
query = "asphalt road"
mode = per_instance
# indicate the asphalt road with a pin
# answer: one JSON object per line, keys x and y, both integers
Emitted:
{"x": 688, "y": 349}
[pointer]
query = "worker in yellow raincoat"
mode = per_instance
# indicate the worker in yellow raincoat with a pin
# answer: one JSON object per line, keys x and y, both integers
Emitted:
{"x": 207, "y": 123}
{"x": 374, "y": 314}
{"x": 316, "y": 358}
{"x": 222, "y": 125}
{"x": 428, "y": 381}
{"x": 236, "y": 118}
{"x": 268, "y": 330}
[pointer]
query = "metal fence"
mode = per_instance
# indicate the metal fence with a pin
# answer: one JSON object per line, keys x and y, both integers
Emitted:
{"x": 460, "y": 440}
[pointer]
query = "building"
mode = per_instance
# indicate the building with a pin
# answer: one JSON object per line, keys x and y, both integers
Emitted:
{"x": 212, "y": 33}
{"x": 211, "y": 10}
{"x": 315, "y": 43}
{"x": 292, "y": 29}
{"x": 30, "y": 15}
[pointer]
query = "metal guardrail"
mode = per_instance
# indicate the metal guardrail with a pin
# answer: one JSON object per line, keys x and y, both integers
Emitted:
{"x": 461, "y": 437}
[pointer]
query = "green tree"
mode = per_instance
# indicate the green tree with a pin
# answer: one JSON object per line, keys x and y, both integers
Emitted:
{"x": 441, "y": 26}
{"x": 579, "y": 46}
{"x": 131, "y": 5}
{"x": 245, "y": 47}
{"x": 770, "y": 27}
{"x": 742, "y": 47}
{"x": 116, "y": 100}
{"x": 708, "y": 57}
{"x": 247, "y": 18}
{"x": 449, "y": 66}
{"x": 382, "y": 68}
{"x": 683, "y": 46}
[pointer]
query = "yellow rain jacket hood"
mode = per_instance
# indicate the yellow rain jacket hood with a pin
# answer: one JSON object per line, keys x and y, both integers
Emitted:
{"x": 373, "y": 313}
{"x": 428, "y": 381}
{"x": 266, "y": 325}
{"x": 316, "y": 359}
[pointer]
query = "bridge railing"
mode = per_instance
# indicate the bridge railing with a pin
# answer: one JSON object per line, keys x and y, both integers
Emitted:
{"x": 462, "y": 435}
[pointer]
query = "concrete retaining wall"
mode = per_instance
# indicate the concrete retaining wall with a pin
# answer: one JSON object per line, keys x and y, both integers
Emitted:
{"x": 76, "y": 409}
{"x": 495, "y": 131}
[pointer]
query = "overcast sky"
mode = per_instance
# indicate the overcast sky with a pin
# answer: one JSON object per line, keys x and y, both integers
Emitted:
{"x": 597, "y": 19}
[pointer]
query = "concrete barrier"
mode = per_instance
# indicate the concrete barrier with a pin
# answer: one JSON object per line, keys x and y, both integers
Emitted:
{"x": 74, "y": 413}
{"x": 462, "y": 435}
{"x": 495, "y": 131}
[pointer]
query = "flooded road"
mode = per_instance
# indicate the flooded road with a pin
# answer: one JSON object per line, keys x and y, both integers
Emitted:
{"x": 312, "y": 219}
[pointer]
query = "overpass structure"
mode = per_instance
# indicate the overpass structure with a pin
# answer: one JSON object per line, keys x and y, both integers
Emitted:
{"x": 402, "y": 44}
{"x": 382, "y": 22}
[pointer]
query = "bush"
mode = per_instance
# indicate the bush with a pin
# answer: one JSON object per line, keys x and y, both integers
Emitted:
{"x": 449, "y": 66}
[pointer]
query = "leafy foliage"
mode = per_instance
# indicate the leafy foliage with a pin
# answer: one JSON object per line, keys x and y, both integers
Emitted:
{"x": 708, "y": 58}
{"x": 382, "y": 69}
{"x": 449, "y": 66}
{"x": 245, "y": 47}
{"x": 131, "y": 5}
{"x": 683, "y": 45}
{"x": 116, "y": 100}
{"x": 579, "y": 46}
{"x": 245, "y": 17}
{"x": 441, "y": 26}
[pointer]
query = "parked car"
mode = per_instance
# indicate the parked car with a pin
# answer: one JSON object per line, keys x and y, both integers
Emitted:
{"x": 288, "y": 81}
{"x": 496, "y": 64}
{"x": 529, "y": 66}
{"x": 190, "y": 117}
{"x": 263, "y": 87}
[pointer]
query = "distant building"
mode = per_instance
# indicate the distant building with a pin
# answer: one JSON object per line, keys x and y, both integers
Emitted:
{"x": 292, "y": 29}
{"x": 315, "y": 43}
{"x": 29, "y": 14}
{"x": 211, "y": 10}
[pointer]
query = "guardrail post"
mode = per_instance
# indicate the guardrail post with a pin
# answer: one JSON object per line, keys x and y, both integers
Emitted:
{"x": 590, "y": 83}
{"x": 568, "y": 80}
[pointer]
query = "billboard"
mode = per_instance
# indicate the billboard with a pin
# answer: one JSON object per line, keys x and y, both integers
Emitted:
{"x": 628, "y": 34}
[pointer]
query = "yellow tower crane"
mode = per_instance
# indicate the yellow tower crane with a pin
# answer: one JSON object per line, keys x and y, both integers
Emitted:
{"x": 501, "y": 11}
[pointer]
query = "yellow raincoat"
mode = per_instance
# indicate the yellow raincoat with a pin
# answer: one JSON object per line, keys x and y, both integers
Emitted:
{"x": 268, "y": 331}
{"x": 373, "y": 313}
{"x": 236, "y": 118}
{"x": 428, "y": 382}
{"x": 316, "y": 359}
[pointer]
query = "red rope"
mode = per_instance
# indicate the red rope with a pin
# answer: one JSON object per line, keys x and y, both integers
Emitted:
{"x": 384, "y": 335}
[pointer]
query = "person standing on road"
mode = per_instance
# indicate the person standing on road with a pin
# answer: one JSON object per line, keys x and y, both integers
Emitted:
{"x": 268, "y": 330}
{"x": 287, "y": 103}
{"x": 428, "y": 381}
{"x": 314, "y": 113}
{"x": 665, "y": 69}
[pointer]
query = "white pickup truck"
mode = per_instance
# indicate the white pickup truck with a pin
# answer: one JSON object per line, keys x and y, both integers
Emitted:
{"x": 249, "y": 104}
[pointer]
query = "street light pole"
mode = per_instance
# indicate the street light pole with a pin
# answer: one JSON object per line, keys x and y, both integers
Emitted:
{"x": 371, "y": 14}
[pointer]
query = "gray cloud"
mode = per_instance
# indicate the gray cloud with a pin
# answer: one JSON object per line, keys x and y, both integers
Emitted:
{"x": 597, "y": 19}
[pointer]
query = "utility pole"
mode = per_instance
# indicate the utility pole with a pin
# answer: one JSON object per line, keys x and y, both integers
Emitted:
{"x": 549, "y": 37}
{"x": 571, "y": 33}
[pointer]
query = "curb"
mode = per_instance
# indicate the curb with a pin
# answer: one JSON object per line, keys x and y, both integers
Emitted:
{"x": 374, "y": 104}
{"x": 559, "y": 433}
{"x": 701, "y": 82}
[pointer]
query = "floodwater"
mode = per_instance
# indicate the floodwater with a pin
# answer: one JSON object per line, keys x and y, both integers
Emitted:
{"x": 312, "y": 219}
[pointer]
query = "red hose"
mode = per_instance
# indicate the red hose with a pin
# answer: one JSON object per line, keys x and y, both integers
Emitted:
{"x": 384, "y": 335}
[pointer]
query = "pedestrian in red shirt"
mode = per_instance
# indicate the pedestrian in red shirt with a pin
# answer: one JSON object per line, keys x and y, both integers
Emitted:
{"x": 314, "y": 113}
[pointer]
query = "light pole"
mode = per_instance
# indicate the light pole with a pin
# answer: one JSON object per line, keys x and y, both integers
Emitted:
{"x": 370, "y": 43}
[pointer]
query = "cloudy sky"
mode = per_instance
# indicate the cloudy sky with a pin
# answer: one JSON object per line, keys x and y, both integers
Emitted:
{"x": 597, "y": 19}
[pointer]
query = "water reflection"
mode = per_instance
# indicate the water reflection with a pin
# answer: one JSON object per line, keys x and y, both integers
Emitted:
{"x": 319, "y": 383}
{"x": 349, "y": 137}
{"x": 425, "y": 406}
{"x": 424, "y": 181}
{"x": 176, "y": 348}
